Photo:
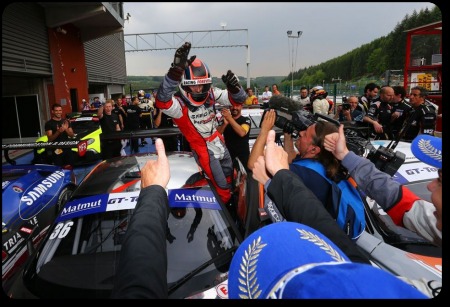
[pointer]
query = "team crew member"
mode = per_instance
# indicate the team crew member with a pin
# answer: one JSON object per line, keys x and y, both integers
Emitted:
{"x": 58, "y": 129}
{"x": 423, "y": 114}
{"x": 379, "y": 114}
{"x": 193, "y": 111}
{"x": 110, "y": 123}
{"x": 236, "y": 130}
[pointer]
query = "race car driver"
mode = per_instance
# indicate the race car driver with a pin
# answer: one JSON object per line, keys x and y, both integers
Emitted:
{"x": 186, "y": 94}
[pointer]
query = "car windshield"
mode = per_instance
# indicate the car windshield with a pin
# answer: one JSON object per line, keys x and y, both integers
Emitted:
{"x": 80, "y": 126}
{"x": 82, "y": 253}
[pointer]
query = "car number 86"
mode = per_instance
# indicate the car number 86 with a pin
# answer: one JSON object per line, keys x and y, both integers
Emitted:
{"x": 61, "y": 230}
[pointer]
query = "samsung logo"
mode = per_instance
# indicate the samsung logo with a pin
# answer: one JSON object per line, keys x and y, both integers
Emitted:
{"x": 34, "y": 194}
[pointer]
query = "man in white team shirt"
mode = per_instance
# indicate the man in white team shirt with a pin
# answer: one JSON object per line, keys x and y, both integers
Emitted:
{"x": 266, "y": 96}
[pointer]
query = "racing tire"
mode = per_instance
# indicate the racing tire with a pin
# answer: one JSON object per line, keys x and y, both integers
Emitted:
{"x": 63, "y": 197}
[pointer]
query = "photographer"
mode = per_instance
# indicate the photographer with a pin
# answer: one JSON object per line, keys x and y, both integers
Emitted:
{"x": 403, "y": 206}
{"x": 347, "y": 112}
{"x": 308, "y": 145}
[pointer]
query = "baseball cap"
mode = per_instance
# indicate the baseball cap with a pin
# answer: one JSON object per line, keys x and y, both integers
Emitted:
{"x": 288, "y": 260}
{"x": 428, "y": 149}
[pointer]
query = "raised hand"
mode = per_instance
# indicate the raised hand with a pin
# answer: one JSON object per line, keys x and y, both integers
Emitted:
{"x": 231, "y": 81}
{"x": 269, "y": 120}
{"x": 275, "y": 156}
{"x": 336, "y": 144}
{"x": 156, "y": 171}
{"x": 180, "y": 62}
{"x": 181, "y": 56}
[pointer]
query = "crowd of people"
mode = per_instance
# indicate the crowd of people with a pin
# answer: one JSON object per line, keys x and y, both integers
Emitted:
{"x": 187, "y": 99}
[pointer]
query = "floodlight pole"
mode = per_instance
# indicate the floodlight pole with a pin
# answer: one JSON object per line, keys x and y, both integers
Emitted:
{"x": 293, "y": 59}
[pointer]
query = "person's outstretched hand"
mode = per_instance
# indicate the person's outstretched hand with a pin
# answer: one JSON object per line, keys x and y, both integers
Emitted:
{"x": 336, "y": 144}
{"x": 231, "y": 81}
{"x": 156, "y": 171}
{"x": 275, "y": 156}
{"x": 180, "y": 62}
{"x": 269, "y": 120}
{"x": 181, "y": 56}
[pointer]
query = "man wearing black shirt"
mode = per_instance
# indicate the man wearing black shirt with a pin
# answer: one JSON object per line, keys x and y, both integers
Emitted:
{"x": 400, "y": 110}
{"x": 423, "y": 114}
{"x": 379, "y": 114}
{"x": 236, "y": 131}
{"x": 132, "y": 122}
{"x": 110, "y": 123}
{"x": 58, "y": 129}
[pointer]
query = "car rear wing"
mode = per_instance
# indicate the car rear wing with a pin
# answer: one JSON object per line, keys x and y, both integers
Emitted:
{"x": 153, "y": 133}
{"x": 81, "y": 145}
{"x": 162, "y": 132}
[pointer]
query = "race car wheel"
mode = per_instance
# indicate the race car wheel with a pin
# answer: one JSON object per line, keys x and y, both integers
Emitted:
{"x": 64, "y": 196}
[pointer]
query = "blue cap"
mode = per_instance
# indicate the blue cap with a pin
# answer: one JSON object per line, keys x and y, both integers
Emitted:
{"x": 428, "y": 149}
{"x": 292, "y": 260}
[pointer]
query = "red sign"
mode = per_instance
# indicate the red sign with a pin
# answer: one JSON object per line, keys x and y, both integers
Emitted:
{"x": 82, "y": 147}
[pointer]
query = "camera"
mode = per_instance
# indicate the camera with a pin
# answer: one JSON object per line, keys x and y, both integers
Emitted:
{"x": 386, "y": 160}
{"x": 299, "y": 121}
{"x": 346, "y": 106}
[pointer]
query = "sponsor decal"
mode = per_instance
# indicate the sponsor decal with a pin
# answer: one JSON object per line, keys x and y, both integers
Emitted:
{"x": 83, "y": 206}
{"x": 82, "y": 119}
{"x": 430, "y": 263}
{"x": 82, "y": 147}
{"x": 195, "y": 82}
{"x": 11, "y": 244}
{"x": 195, "y": 198}
{"x": 65, "y": 144}
{"x": 413, "y": 172}
{"x": 183, "y": 198}
{"x": 33, "y": 194}
{"x": 222, "y": 290}
{"x": 17, "y": 189}
{"x": 26, "y": 230}
{"x": 98, "y": 203}
{"x": 122, "y": 201}
{"x": 5, "y": 184}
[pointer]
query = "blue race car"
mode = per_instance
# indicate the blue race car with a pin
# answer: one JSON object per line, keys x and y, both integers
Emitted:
{"x": 32, "y": 195}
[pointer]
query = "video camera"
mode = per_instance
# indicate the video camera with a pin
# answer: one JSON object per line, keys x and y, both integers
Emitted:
{"x": 346, "y": 106}
{"x": 384, "y": 158}
{"x": 292, "y": 123}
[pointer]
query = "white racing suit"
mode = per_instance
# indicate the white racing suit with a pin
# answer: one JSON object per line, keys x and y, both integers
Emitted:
{"x": 199, "y": 127}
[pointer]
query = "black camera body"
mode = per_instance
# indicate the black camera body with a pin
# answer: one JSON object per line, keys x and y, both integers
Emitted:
{"x": 346, "y": 106}
{"x": 386, "y": 160}
{"x": 300, "y": 120}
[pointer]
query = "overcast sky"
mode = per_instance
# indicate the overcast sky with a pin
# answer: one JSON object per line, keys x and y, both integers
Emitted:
{"x": 329, "y": 30}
